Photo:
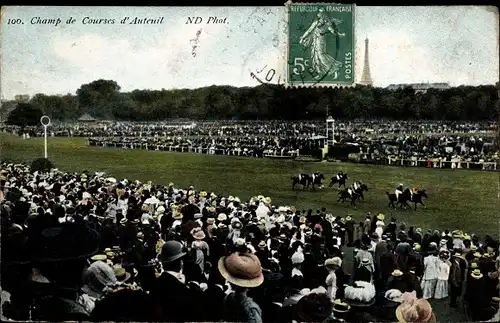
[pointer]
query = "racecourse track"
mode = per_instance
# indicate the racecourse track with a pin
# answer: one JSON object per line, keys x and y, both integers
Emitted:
{"x": 464, "y": 199}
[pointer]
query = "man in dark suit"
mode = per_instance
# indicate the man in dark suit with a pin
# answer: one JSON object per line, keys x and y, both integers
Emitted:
{"x": 174, "y": 300}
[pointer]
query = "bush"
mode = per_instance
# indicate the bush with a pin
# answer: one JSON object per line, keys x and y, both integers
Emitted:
{"x": 41, "y": 165}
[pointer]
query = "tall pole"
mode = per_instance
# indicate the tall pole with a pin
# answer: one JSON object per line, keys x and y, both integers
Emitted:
{"x": 45, "y": 121}
{"x": 45, "y": 141}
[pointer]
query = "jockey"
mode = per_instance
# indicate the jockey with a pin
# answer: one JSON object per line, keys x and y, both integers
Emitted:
{"x": 413, "y": 191}
{"x": 399, "y": 190}
{"x": 340, "y": 174}
{"x": 314, "y": 176}
{"x": 356, "y": 185}
{"x": 352, "y": 189}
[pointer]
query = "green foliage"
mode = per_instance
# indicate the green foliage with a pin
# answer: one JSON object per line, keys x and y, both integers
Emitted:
{"x": 24, "y": 115}
{"x": 103, "y": 100}
{"x": 41, "y": 165}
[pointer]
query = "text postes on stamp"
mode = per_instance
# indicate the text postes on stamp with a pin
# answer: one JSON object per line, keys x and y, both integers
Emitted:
{"x": 320, "y": 44}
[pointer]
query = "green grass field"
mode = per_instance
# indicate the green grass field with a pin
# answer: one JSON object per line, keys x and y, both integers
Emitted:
{"x": 457, "y": 198}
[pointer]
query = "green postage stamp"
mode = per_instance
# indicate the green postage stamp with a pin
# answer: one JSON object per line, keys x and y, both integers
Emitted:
{"x": 320, "y": 44}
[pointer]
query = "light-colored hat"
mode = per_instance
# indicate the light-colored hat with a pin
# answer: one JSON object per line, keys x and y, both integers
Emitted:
{"x": 365, "y": 261}
{"x": 298, "y": 258}
{"x": 262, "y": 244}
{"x": 302, "y": 219}
{"x": 397, "y": 273}
{"x": 340, "y": 307}
{"x": 476, "y": 273}
{"x": 335, "y": 261}
{"x": 198, "y": 234}
{"x": 348, "y": 218}
{"x": 121, "y": 274}
{"x": 381, "y": 217}
{"x": 241, "y": 269}
{"x": 473, "y": 265}
{"x": 99, "y": 258}
{"x": 222, "y": 217}
{"x": 210, "y": 221}
{"x": 421, "y": 307}
{"x": 177, "y": 215}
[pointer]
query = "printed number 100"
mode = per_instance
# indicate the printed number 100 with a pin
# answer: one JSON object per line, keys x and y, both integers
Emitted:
{"x": 348, "y": 65}
{"x": 14, "y": 22}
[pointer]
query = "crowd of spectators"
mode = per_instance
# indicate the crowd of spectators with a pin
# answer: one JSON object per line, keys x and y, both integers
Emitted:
{"x": 397, "y": 143}
{"x": 83, "y": 246}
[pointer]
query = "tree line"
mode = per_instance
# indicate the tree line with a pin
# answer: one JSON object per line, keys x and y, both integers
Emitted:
{"x": 103, "y": 99}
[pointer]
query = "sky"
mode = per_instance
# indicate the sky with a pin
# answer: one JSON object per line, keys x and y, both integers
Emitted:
{"x": 455, "y": 44}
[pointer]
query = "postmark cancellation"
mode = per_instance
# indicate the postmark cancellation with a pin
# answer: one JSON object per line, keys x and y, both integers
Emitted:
{"x": 320, "y": 44}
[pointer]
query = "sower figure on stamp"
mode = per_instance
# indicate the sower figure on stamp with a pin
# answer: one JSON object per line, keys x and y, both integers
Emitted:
{"x": 315, "y": 40}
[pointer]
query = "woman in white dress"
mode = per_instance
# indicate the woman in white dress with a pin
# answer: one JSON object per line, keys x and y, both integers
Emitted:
{"x": 430, "y": 276}
{"x": 332, "y": 265}
{"x": 443, "y": 275}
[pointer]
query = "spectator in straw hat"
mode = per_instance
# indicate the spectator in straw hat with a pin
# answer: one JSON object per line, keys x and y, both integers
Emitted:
{"x": 475, "y": 295}
{"x": 242, "y": 271}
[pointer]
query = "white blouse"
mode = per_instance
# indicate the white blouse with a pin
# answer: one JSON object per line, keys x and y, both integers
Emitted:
{"x": 431, "y": 267}
{"x": 331, "y": 283}
{"x": 443, "y": 270}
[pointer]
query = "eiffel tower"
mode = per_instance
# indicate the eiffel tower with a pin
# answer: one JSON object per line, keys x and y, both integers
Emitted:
{"x": 366, "y": 78}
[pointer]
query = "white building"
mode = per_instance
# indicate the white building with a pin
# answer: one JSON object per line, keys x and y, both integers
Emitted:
{"x": 420, "y": 87}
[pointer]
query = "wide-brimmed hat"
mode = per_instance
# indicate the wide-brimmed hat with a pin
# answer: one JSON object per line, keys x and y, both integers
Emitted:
{"x": 315, "y": 307}
{"x": 302, "y": 219}
{"x": 210, "y": 221}
{"x": 222, "y": 217}
{"x": 241, "y": 269}
{"x": 198, "y": 234}
{"x": 121, "y": 274}
{"x": 397, "y": 273}
{"x": 365, "y": 261}
{"x": 457, "y": 234}
{"x": 177, "y": 215}
{"x": 335, "y": 261}
{"x": 171, "y": 251}
{"x": 392, "y": 298}
{"x": 262, "y": 245}
{"x": 69, "y": 241}
{"x": 423, "y": 309}
{"x": 381, "y": 217}
{"x": 476, "y": 273}
{"x": 340, "y": 307}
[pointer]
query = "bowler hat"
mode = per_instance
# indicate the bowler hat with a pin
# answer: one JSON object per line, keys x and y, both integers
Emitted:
{"x": 171, "y": 251}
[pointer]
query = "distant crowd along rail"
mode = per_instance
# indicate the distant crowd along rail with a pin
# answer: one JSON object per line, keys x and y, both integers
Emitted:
{"x": 439, "y": 162}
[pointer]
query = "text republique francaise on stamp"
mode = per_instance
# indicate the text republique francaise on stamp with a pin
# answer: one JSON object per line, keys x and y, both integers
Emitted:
{"x": 320, "y": 44}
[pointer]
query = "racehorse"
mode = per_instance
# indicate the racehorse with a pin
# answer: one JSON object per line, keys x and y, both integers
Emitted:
{"x": 341, "y": 179}
{"x": 405, "y": 197}
{"x": 357, "y": 194}
{"x": 315, "y": 180}
{"x": 303, "y": 180}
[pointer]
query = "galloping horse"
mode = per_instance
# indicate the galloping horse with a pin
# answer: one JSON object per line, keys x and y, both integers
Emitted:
{"x": 405, "y": 197}
{"x": 302, "y": 179}
{"x": 315, "y": 179}
{"x": 357, "y": 194}
{"x": 341, "y": 179}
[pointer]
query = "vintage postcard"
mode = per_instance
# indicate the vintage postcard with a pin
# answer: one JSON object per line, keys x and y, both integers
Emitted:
{"x": 323, "y": 162}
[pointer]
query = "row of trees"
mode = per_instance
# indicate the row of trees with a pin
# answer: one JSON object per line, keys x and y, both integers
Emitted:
{"x": 103, "y": 99}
